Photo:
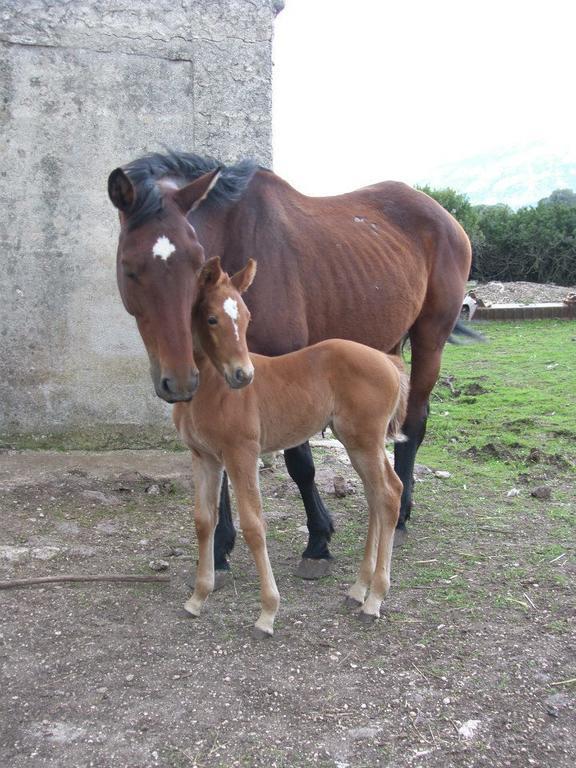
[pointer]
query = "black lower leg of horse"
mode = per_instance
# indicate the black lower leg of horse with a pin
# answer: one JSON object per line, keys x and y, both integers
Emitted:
{"x": 404, "y": 460}
{"x": 225, "y": 534}
{"x": 300, "y": 466}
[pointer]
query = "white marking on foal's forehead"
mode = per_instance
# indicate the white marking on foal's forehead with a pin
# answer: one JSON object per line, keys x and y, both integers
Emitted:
{"x": 230, "y": 306}
{"x": 163, "y": 248}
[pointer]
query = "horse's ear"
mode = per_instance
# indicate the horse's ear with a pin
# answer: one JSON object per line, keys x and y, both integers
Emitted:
{"x": 120, "y": 190}
{"x": 189, "y": 197}
{"x": 243, "y": 280}
{"x": 211, "y": 273}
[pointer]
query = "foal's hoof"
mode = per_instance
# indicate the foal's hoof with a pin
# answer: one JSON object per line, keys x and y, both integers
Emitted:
{"x": 260, "y": 634}
{"x": 312, "y": 569}
{"x": 367, "y": 618}
{"x": 352, "y": 603}
{"x": 400, "y": 537}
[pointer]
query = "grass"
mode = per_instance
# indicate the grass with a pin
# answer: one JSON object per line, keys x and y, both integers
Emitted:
{"x": 507, "y": 403}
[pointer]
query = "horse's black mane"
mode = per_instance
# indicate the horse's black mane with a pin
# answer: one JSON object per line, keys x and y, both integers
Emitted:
{"x": 146, "y": 171}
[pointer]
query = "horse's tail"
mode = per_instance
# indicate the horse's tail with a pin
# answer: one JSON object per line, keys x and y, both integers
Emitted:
{"x": 461, "y": 329}
{"x": 395, "y": 426}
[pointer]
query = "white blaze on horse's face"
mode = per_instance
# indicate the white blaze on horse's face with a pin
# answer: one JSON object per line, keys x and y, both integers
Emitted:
{"x": 163, "y": 248}
{"x": 231, "y": 308}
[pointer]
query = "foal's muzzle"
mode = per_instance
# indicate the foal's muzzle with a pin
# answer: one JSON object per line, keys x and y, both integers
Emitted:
{"x": 239, "y": 377}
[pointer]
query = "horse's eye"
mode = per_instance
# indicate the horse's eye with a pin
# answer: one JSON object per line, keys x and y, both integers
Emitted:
{"x": 132, "y": 275}
{"x": 212, "y": 320}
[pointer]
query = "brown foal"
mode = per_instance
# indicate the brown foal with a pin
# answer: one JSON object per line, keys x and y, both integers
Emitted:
{"x": 360, "y": 392}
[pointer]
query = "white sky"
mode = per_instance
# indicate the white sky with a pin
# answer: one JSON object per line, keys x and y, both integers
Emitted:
{"x": 366, "y": 90}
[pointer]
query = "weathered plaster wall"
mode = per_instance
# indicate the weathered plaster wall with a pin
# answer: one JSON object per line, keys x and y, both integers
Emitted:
{"x": 86, "y": 86}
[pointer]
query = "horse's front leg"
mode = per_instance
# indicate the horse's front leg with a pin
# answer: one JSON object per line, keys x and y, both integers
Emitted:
{"x": 207, "y": 474}
{"x": 225, "y": 536}
{"x": 242, "y": 466}
{"x": 316, "y": 556}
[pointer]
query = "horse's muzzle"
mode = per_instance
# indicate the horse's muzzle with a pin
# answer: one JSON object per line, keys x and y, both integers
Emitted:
{"x": 173, "y": 391}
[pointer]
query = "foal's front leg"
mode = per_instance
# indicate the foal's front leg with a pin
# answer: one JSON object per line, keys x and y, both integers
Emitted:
{"x": 242, "y": 466}
{"x": 207, "y": 474}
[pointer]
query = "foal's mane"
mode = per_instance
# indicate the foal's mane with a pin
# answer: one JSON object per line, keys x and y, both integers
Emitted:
{"x": 182, "y": 167}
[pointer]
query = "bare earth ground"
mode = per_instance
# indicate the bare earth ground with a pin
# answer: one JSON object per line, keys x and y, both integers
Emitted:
{"x": 521, "y": 292}
{"x": 470, "y": 664}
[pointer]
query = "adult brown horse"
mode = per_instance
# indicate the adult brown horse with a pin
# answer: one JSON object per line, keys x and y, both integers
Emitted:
{"x": 372, "y": 266}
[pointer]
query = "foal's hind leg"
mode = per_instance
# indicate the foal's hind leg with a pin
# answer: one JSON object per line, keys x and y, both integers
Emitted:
{"x": 316, "y": 556}
{"x": 207, "y": 473}
{"x": 389, "y": 507}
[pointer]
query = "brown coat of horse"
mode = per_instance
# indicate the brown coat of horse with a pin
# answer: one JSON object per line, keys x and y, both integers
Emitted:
{"x": 371, "y": 266}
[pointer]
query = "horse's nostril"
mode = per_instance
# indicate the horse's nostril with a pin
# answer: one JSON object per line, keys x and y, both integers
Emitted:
{"x": 165, "y": 385}
{"x": 240, "y": 376}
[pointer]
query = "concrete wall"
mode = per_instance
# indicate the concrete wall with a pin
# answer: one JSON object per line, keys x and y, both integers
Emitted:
{"x": 85, "y": 87}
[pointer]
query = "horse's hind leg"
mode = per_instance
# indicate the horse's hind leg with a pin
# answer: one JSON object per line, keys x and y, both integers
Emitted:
{"x": 425, "y": 367}
{"x": 388, "y": 510}
{"x": 207, "y": 473}
{"x": 357, "y": 592}
{"x": 300, "y": 466}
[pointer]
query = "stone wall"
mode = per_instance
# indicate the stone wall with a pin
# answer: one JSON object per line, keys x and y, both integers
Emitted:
{"x": 86, "y": 86}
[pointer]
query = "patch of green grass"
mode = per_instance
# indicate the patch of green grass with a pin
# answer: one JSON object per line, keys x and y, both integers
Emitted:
{"x": 521, "y": 403}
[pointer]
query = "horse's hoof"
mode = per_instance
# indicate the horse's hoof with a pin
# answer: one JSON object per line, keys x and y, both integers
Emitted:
{"x": 260, "y": 634}
{"x": 400, "y": 537}
{"x": 222, "y": 579}
{"x": 367, "y": 618}
{"x": 312, "y": 569}
{"x": 352, "y": 603}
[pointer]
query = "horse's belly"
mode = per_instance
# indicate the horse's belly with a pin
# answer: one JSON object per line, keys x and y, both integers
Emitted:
{"x": 284, "y": 436}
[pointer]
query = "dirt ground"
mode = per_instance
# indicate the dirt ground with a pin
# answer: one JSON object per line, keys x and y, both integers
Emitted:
{"x": 521, "y": 292}
{"x": 470, "y": 664}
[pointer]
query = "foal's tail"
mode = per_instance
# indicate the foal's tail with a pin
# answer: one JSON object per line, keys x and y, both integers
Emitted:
{"x": 395, "y": 426}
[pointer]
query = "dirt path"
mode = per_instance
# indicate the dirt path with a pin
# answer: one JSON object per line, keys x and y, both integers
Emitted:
{"x": 456, "y": 673}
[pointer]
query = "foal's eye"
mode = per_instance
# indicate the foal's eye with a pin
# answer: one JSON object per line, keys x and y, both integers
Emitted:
{"x": 212, "y": 320}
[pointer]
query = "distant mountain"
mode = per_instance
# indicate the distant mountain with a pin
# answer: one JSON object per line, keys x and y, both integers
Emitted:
{"x": 517, "y": 177}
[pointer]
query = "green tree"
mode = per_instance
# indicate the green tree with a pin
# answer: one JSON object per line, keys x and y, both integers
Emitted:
{"x": 455, "y": 203}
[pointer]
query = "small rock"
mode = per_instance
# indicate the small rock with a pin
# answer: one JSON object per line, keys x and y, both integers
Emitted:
{"x": 342, "y": 487}
{"x": 44, "y": 553}
{"x": 107, "y": 527}
{"x": 535, "y": 455}
{"x": 129, "y": 678}
{"x": 153, "y": 490}
{"x": 513, "y": 492}
{"x": 102, "y": 498}
{"x": 158, "y": 565}
{"x": 468, "y": 729}
{"x": 542, "y": 492}
{"x": 302, "y": 529}
{"x": 442, "y": 474}
{"x": 268, "y": 460}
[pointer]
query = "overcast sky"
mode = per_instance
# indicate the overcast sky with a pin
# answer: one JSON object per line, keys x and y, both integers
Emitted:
{"x": 366, "y": 90}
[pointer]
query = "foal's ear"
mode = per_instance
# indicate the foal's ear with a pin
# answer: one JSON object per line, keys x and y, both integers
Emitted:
{"x": 120, "y": 190}
{"x": 189, "y": 197}
{"x": 243, "y": 280}
{"x": 211, "y": 273}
